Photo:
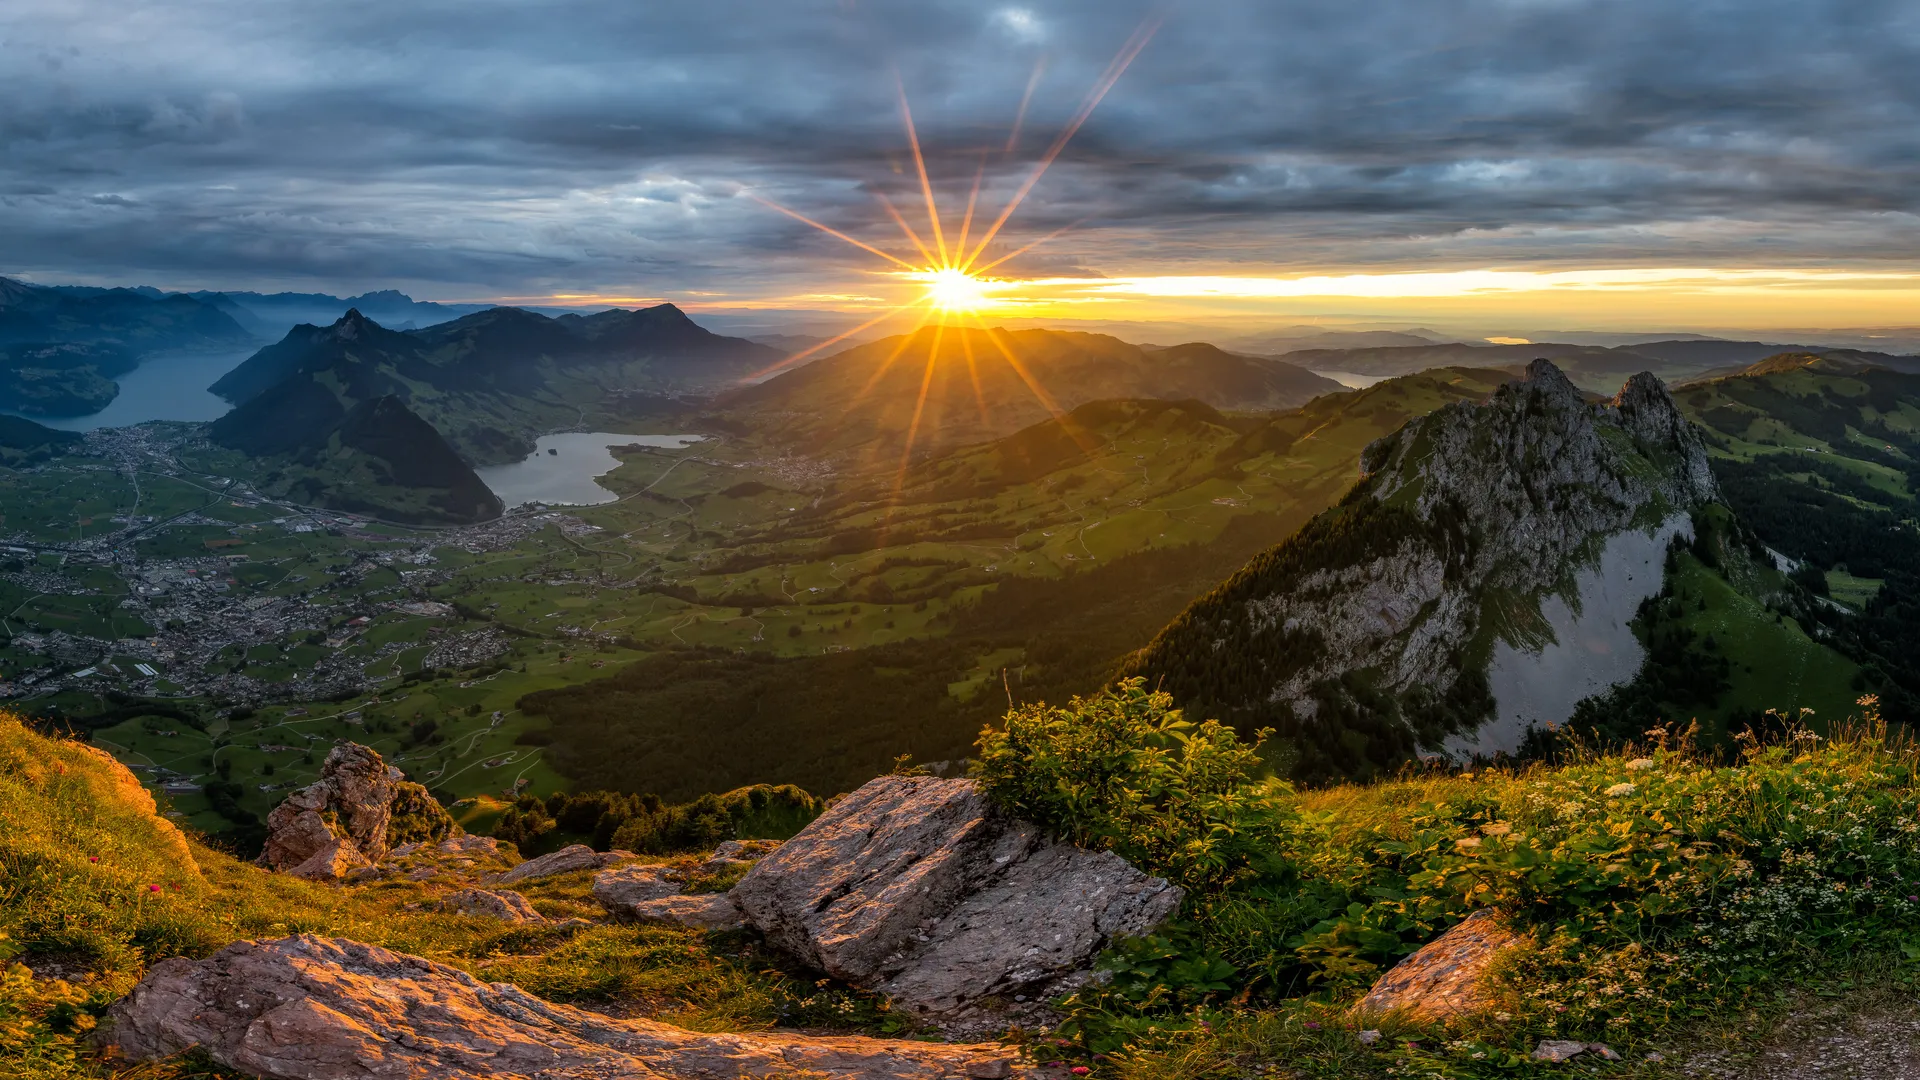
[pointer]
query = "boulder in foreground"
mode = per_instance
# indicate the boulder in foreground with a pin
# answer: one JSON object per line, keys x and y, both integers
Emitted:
{"x": 1444, "y": 980}
{"x": 918, "y": 888}
{"x": 311, "y": 1008}
{"x": 564, "y": 861}
{"x": 359, "y": 802}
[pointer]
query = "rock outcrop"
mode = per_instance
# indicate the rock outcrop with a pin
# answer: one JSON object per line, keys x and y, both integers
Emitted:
{"x": 503, "y": 904}
{"x": 918, "y": 888}
{"x": 1446, "y": 979}
{"x": 1377, "y": 614}
{"x": 310, "y": 1008}
{"x": 564, "y": 861}
{"x": 345, "y": 820}
{"x": 619, "y": 888}
{"x": 696, "y": 911}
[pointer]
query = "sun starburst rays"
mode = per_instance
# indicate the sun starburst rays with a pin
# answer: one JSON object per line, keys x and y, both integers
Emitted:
{"x": 955, "y": 288}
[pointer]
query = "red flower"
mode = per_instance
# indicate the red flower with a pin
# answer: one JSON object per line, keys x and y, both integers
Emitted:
{"x": 1080, "y": 1070}
{"x": 153, "y": 888}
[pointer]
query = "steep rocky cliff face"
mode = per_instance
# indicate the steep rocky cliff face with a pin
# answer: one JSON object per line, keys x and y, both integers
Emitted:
{"x": 1367, "y": 635}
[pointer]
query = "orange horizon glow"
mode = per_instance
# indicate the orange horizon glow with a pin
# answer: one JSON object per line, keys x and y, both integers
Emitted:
{"x": 1675, "y": 298}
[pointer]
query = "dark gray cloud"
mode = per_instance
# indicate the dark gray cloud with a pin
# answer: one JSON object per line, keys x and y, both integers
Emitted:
{"x": 494, "y": 148}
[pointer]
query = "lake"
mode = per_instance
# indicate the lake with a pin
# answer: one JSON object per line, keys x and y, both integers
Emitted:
{"x": 1351, "y": 380}
{"x": 169, "y": 387}
{"x": 562, "y": 468}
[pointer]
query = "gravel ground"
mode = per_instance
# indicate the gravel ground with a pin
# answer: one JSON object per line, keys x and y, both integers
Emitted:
{"x": 1874, "y": 1039}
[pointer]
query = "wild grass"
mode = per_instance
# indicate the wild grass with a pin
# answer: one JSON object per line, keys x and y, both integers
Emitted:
{"x": 1658, "y": 889}
{"x": 95, "y": 887}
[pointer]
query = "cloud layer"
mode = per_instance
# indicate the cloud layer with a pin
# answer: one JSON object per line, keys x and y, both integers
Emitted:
{"x": 487, "y": 148}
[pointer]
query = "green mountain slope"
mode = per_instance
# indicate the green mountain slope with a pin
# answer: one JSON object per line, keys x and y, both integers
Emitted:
{"x": 897, "y": 615}
{"x": 948, "y": 386}
{"x": 1820, "y": 457}
{"x": 372, "y": 456}
{"x": 24, "y": 443}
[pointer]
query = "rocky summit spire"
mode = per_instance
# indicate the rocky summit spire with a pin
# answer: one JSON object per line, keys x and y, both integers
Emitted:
{"x": 1380, "y": 613}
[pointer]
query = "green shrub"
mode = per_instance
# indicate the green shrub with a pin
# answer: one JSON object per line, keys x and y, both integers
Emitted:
{"x": 1124, "y": 771}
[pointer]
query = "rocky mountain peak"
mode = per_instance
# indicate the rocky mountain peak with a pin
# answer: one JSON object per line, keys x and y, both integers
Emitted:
{"x": 1383, "y": 611}
{"x": 352, "y": 326}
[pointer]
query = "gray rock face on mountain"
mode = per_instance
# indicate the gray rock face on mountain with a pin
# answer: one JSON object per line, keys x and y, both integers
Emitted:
{"x": 918, "y": 888}
{"x": 1468, "y": 514}
{"x": 1536, "y": 474}
{"x": 310, "y": 1008}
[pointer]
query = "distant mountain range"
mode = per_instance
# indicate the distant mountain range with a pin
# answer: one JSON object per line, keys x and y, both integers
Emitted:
{"x": 355, "y": 416}
{"x": 494, "y": 380}
{"x": 270, "y": 315}
{"x": 991, "y": 383}
{"x": 139, "y": 320}
{"x": 1594, "y": 367}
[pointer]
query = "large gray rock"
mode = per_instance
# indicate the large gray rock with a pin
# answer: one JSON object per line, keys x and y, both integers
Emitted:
{"x": 310, "y": 1008}
{"x": 353, "y": 803}
{"x": 564, "y": 861}
{"x": 918, "y": 888}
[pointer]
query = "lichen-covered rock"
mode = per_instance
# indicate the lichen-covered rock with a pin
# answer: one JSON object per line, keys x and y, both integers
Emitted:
{"x": 503, "y": 904}
{"x": 917, "y": 887}
{"x": 310, "y": 1008}
{"x": 564, "y": 861}
{"x": 620, "y": 887}
{"x": 699, "y": 911}
{"x": 354, "y": 800}
{"x": 1446, "y": 979}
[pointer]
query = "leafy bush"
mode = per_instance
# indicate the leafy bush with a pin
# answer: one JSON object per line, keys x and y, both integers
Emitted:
{"x": 1653, "y": 886}
{"x": 1124, "y": 771}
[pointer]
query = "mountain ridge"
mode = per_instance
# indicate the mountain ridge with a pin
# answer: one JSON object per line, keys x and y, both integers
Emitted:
{"x": 1373, "y": 625}
{"x": 493, "y": 380}
{"x": 979, "y": 385}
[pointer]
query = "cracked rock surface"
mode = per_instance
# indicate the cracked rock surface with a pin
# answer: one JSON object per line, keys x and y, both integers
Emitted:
{"x": 312, "y": 1008}
{"x": 918, "y": 888}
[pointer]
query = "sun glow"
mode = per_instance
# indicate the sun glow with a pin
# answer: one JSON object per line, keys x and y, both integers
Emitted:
{"x": 952, "y": 289}
{"x": 950, "y": 267}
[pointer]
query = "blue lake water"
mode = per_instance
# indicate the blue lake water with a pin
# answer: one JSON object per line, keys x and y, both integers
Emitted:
{"x": 172, "y": 387}
{"x": 562, "y": 468}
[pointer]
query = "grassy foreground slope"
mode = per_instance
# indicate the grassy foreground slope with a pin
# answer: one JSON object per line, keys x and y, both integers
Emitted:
{"x": 95, "y": 887}
{"x": 1667, "y": 903}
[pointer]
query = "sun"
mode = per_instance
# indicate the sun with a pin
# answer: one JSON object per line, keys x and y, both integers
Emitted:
{"x": 953, "y": 289}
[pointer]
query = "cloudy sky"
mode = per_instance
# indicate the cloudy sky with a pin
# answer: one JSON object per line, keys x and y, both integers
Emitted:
{"x": 1753, "y": 162}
